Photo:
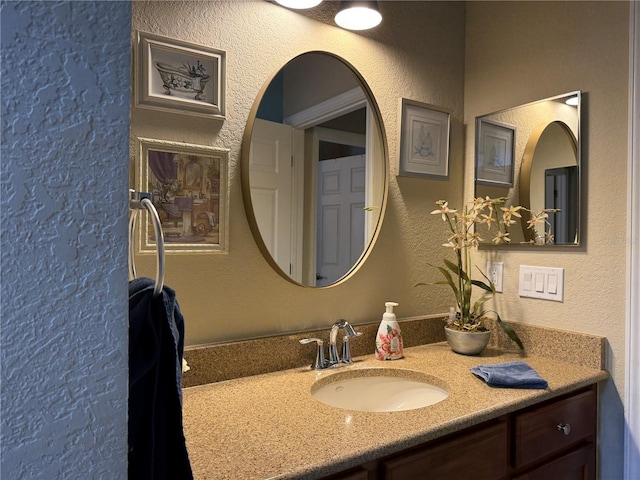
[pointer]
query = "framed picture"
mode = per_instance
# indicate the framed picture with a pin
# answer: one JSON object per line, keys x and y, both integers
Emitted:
{"x": 176, "y": 76}
{"x": 495, "y": 150}
{"x": 189, "y": 188}
{"x": 424, "y": 140}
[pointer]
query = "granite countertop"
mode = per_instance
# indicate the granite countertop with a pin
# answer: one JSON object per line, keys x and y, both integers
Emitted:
{"x": 269, "y": 426}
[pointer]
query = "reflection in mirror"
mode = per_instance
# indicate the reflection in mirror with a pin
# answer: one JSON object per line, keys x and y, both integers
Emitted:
{"x": 545, "y": 167}
{"x": 314, "y": 170}
{"x": 549, "y": 180}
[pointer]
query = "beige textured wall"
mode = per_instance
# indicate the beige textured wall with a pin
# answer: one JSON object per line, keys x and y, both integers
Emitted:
{"x": 237, "y": 295}
{"x": 517, "y": 52}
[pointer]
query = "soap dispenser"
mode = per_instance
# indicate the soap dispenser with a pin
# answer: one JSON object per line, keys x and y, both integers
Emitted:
{"x": 389, "y": 338}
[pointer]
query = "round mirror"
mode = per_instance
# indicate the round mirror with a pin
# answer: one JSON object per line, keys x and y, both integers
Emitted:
{"x": 549, "y": 180}
{"x": 314, "y": 170}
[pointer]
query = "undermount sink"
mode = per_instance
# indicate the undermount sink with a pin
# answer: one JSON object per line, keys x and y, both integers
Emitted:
{"x": 379, "y": 390}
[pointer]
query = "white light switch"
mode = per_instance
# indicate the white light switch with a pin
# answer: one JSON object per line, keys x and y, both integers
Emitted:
{"x": 542, "y": 282}
{"x": 539, "y": 282}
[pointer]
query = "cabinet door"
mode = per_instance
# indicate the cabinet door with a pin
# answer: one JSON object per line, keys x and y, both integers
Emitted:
{"x": 577, "y": 465}
{"x": 357, "y": 474}
{"x": 479, "y": 454}
{"x": 537, "y": 433}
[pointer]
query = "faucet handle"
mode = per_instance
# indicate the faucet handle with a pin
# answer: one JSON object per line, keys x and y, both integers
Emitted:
{"x": 350, "y": 331}
{"x": 319, "y": 362}
{"x": 346, "y": 349}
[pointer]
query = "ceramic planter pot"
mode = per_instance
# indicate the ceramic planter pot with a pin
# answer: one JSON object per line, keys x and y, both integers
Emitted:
{"x": 467, "y": 343}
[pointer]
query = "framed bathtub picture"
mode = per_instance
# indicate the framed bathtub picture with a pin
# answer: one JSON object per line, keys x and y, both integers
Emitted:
{"x": 176, "y": 76}
{"x": 495, "y": 150}
{"x": 424, "y": 140}
{"x": 189, "y": 188}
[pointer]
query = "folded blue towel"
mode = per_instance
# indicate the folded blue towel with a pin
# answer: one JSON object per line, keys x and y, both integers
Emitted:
{"x": 511, "y": 375}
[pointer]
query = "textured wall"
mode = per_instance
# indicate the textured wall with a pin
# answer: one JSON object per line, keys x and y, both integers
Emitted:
{"x": 554, "y": 48}
{"x": 65, "y": 120}
{"x": 238, "y": 295}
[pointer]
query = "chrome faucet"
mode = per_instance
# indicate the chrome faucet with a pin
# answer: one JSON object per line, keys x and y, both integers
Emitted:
{"x": 334, "y": 359}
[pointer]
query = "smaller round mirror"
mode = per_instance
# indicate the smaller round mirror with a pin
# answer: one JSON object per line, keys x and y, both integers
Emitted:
{"x": 549, "y": 180}
{"x": 314, "y": 170}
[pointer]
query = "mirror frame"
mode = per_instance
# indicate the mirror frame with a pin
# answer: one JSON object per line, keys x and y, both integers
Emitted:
{"x": 525, "y": 172}
{"x": 245, "y": 174}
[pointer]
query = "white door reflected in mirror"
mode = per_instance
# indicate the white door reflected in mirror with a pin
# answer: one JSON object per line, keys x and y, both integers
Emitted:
{"x": 341, "y": 202}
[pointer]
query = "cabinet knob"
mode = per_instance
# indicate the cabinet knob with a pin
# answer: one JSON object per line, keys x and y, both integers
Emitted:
{"x": 564, "y": 428}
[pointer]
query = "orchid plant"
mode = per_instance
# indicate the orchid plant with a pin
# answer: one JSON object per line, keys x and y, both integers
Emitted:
{"x": 465, "y": 238}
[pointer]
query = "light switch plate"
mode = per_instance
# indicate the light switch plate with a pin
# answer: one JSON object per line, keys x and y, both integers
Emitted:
{"x": 541, "y": 282}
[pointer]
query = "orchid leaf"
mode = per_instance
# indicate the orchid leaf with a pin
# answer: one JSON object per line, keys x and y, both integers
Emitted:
{"x": 483, "y": 274}
{"x": 483, "y": 285}
{"x": 490, "y": 287}
{"x": 452, "y": 266}
{"x": 478, "y": 305}
{"x": 455, "y": 269}
{"x": 509, "y": 331}
{"x": 450, "y": 282}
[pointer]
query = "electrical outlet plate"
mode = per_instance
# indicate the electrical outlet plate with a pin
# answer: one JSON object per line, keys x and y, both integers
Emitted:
{"x": 542, "y": 282}
{"x": 495, "y": 272}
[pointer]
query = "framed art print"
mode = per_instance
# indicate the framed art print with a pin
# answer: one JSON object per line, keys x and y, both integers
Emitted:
{"x": 495, "y": 150}
{"x": 424, "y": 140}
{"x": 172, "y": 75}
{"x": 189, "y": 189}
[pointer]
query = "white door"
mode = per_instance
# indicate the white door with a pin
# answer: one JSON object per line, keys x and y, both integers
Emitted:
{"x": 271, "y": 188}
{"x": 341, "y": 217}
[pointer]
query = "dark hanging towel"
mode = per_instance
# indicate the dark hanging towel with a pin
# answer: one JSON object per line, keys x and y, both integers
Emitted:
{"x": 157, "y": 448}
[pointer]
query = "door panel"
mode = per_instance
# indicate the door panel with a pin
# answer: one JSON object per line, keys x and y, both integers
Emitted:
{"x": 271, "y": 187}
{"x": 341, "y": 216}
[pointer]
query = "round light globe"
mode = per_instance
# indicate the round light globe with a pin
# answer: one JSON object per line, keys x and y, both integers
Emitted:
{"x": 299, "y": 4}
{"x": 358, "y": 18}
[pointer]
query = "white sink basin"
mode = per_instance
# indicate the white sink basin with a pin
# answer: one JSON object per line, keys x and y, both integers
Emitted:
{"x": 379, "y": 390}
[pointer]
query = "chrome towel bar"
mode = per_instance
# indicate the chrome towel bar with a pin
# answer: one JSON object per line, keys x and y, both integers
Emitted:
{"x": 139, "y": 201}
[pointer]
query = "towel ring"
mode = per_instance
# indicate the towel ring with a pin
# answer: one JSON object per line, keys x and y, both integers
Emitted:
{"x": 138, "y": 201}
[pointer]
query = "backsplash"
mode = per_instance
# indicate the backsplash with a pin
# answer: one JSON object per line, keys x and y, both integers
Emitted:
{"x": 226, "y": 361}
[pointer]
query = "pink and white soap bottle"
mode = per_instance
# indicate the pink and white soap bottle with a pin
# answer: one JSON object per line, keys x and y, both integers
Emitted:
{"x": 389, "y": 337}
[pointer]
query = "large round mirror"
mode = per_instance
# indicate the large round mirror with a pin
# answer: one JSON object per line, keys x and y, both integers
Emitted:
{"x": 314, "y": 170}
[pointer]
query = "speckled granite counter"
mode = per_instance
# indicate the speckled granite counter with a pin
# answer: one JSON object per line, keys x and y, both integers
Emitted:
{"x": 269, "y": 426}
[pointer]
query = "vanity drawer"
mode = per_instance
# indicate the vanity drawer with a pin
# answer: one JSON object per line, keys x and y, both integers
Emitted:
{"x": 355, "y": 474}
{"x": 579, "y": 464}
{"x": 479, "y": 453}
{"x": 538, "y": 432}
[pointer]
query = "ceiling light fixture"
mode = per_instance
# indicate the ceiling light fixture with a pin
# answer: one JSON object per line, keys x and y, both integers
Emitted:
{"x": 358, "y": 15}
{"x": 572, "y": 101}
{"x": 299, "y": 4}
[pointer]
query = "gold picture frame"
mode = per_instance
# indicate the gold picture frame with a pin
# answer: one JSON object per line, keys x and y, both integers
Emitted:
{"x": 189, "y": 188}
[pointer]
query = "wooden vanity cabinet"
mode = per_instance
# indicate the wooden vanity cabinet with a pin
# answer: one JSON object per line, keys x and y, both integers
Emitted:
{"x": 540, "y": 431}
{"x": 552, "y": 440}
{"x": 480, "y": 453}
